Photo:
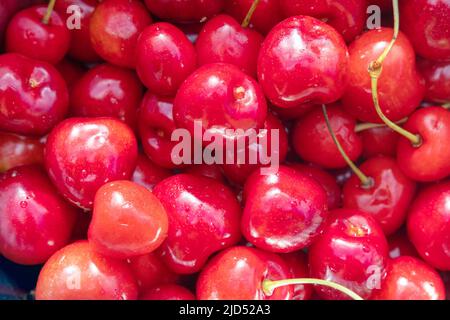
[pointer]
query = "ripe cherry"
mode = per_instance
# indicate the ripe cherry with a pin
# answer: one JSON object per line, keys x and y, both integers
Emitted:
{"x": 35, "y": 221}
{"x": 147, "y": 173}
{"x": 399, "y": 245}
{"x": 185, "y": 10}
{"x": 292, "y": 113}
{"x": 168, "y": 292}
{"x": 77, "y": 272}
{"x": 203, "y": 216}
{"x": 437, "y": 78}
{"x": 82, "y": 154}
{"x": 212, "y": 171}
{"x": 298, "y": 266}
{"x": 378, "y": 141}
{"x": 18, "y": 150}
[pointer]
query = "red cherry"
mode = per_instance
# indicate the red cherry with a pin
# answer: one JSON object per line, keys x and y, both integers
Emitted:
{"x": 82, "y": 154}
{"x": 385, "y": 5}
{"x": 77, "y": 272}
{"x": 283, "y": 212}
{"x": 107, "y": 91}
{"x": 427, "y": 25}
{"x": 114, "y": 29}
{"x": 399, "y": 245}
{"x": 185, "y": 10}
{"x": 147, "y": 173}
{"x": 429, "y": 225}
{"x": 35, "y": 221}
{"x": 237, "y": 274}
{"x": 298, "y": 265}
{"x": 71, "y": 72}
{"x": 212, "y": 171}
{"x": 352, "y": 252}
{"x": 18, "y": 150}
{"x": 313, "y": 142}
{"x": 303, "y": 60}
{"x": 204, "y": 218}
{"x": 396, "y": 101}
{"x": 223, "y": 39}
{"x": 431, "y": 160}
{"x": 33, "y": 95}
{"x": 292, "y": 113}
{"x": 437, "y": 78}
{"x": 165, "y": 58}
{"x": 408, "y": 278}
{"x": 388, "y": 197}
{"x": 168, "y": 292}
{"x": 348, "y": 17}
{"x": 27, "y": 34}
{"x": 379, "y": 141}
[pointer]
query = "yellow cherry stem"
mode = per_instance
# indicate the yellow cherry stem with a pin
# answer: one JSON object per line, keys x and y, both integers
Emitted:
{"x": 48, "y": 14}
{"x": 250, "y": 13}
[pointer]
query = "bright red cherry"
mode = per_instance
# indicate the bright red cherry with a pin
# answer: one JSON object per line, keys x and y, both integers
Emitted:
{"x": 165, "y": 58}
{"x": 303, "y": 60}
{"x": 284, "y": 211}
{"x": 147, "y": 173}
{"x": 238, "y": 273}
{"x": 185, "y": 10}
{"x": 82, "y": 154}
{"x": 437, "y": 78}
{"x": 107, "y": 91}
{"x": 399, "y": 245}
{"x": 77, "y": 272}
{"x": 212, "y": 171}
{"x": 298, "y": 265}
{"x": 71, "y": 72}
{"x": 204, "y": 218}
{"x": 33, "y": 95}
{"x": 352, "y": 251}
{"x": 114, "y": 29}
{"x": 431, "y": 160}
{"x": 18, "y": 150}
{"x": 429, "y": 225}
{"x": 168, "y": 292}
{"x": 223, "y": 39}
{"x": 396, "y": 101}
{"x": 379, "y": 141}
{"x": 408, "y": 278}
{"x": 35, "y": 221}
{"x": 313, "y": 142}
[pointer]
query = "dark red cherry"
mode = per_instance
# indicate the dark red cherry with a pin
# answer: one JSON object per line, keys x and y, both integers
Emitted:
{"x": 396, "y": 101}
{"x": 185, "y": 10}
{"x": 107, "y": 91}
{"x": 437, "y": 79}
{"x": 431, "y": 160}
{"x": 35, "y": 221}
{"x": 147, "y": 173}
{"x": 284, "y": 211}
{"x": 77, "y": 272}
{"x": 408, "y": 278}
{"x": 387, "y": 199}
{"x": 27, "y": 34}
{"x": 313, "y": 142}
{"x": 427, "y": 25}
{"x": 399, "y": 245}
{"x": 114, "y": 29}
{"x": 379, "y": 141}
{"x": 303, "y": 60}
{"x": 83, "y": 154}
{"x": 238, "y": 273}
{"x": 348, "y": 17}
{"x": 165, "y": 58}
{"x": 33, "y": 95}
{"x": 352, "y": 251}
{"x": 292, "y": 113}
{"x": 429, "y": 225}
{"x": 223, "y": 39}
{"x": 204, "y": 218}
{"x": 71, "y": 72}
{"x": 18, "y": 150}
{"x": 168, "y": 292}
{"x": 298, "y": 265}
{"x": 212, "y": 171}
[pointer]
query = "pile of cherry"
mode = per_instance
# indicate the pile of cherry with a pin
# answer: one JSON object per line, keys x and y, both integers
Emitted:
{"x": 88, "y": 187}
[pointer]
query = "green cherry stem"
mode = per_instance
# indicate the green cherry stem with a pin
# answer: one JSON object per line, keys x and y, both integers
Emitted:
{"x": 250, "y": 13}
{"x": 367, "y": 126}
{"x": 48, "y": 14}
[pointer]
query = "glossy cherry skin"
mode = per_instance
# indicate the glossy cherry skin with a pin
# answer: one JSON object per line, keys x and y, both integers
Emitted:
{"x": 348, "y": 17}
{"x": 71, "y": 72}
{"x": 203, "y": 216}
{"x": 314, "y": 71}
{"x": 82, "y": 154}
{"x": 388, "y": 199}
{"x": 313, "y": 142}
{"x": 107, "y": 91}
{"x": 352, "y": 251}
{"x": 379, "y": 141}
{"x": 408, "y": 278}
{"x": 127, "y": 220}
{"x": 396, "y": 101}
{"x": 237, "y": 274}
{"x": 437, "y": 79}
{"x": 165, "y": 58}
{"x": 80, "y": 47}
{"x": 168, "y": 292}
{"x": 33, "y": 95}
{"x": 35, "y": 220}
{"x": 147, "y": 173}
{"x": 184, "y": 10}
{"x": 114, "y": 29}
{"x": 429, "y": 225}
{"x": 18, "y": 150}
{"x": 77, "y": 272}
{"x": 284, "y": 211}
{"x": 28, "y": 35}
{"x": 223, "y": 39}
{"x": 426, "y": 24}
{"x": 433, "y": 126}
{"x": 399, "y": 245}
{"x": 298, "y": 265}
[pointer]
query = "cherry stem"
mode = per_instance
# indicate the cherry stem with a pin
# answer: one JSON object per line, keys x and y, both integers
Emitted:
{"x": 366, "y": 182}
{"x": 269, "y": 286}
{"x": 48, "y": 14}
{"x": 375, "y": 70}
{"x": 367, "y": 126}
{"x": 250, "y": 13}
